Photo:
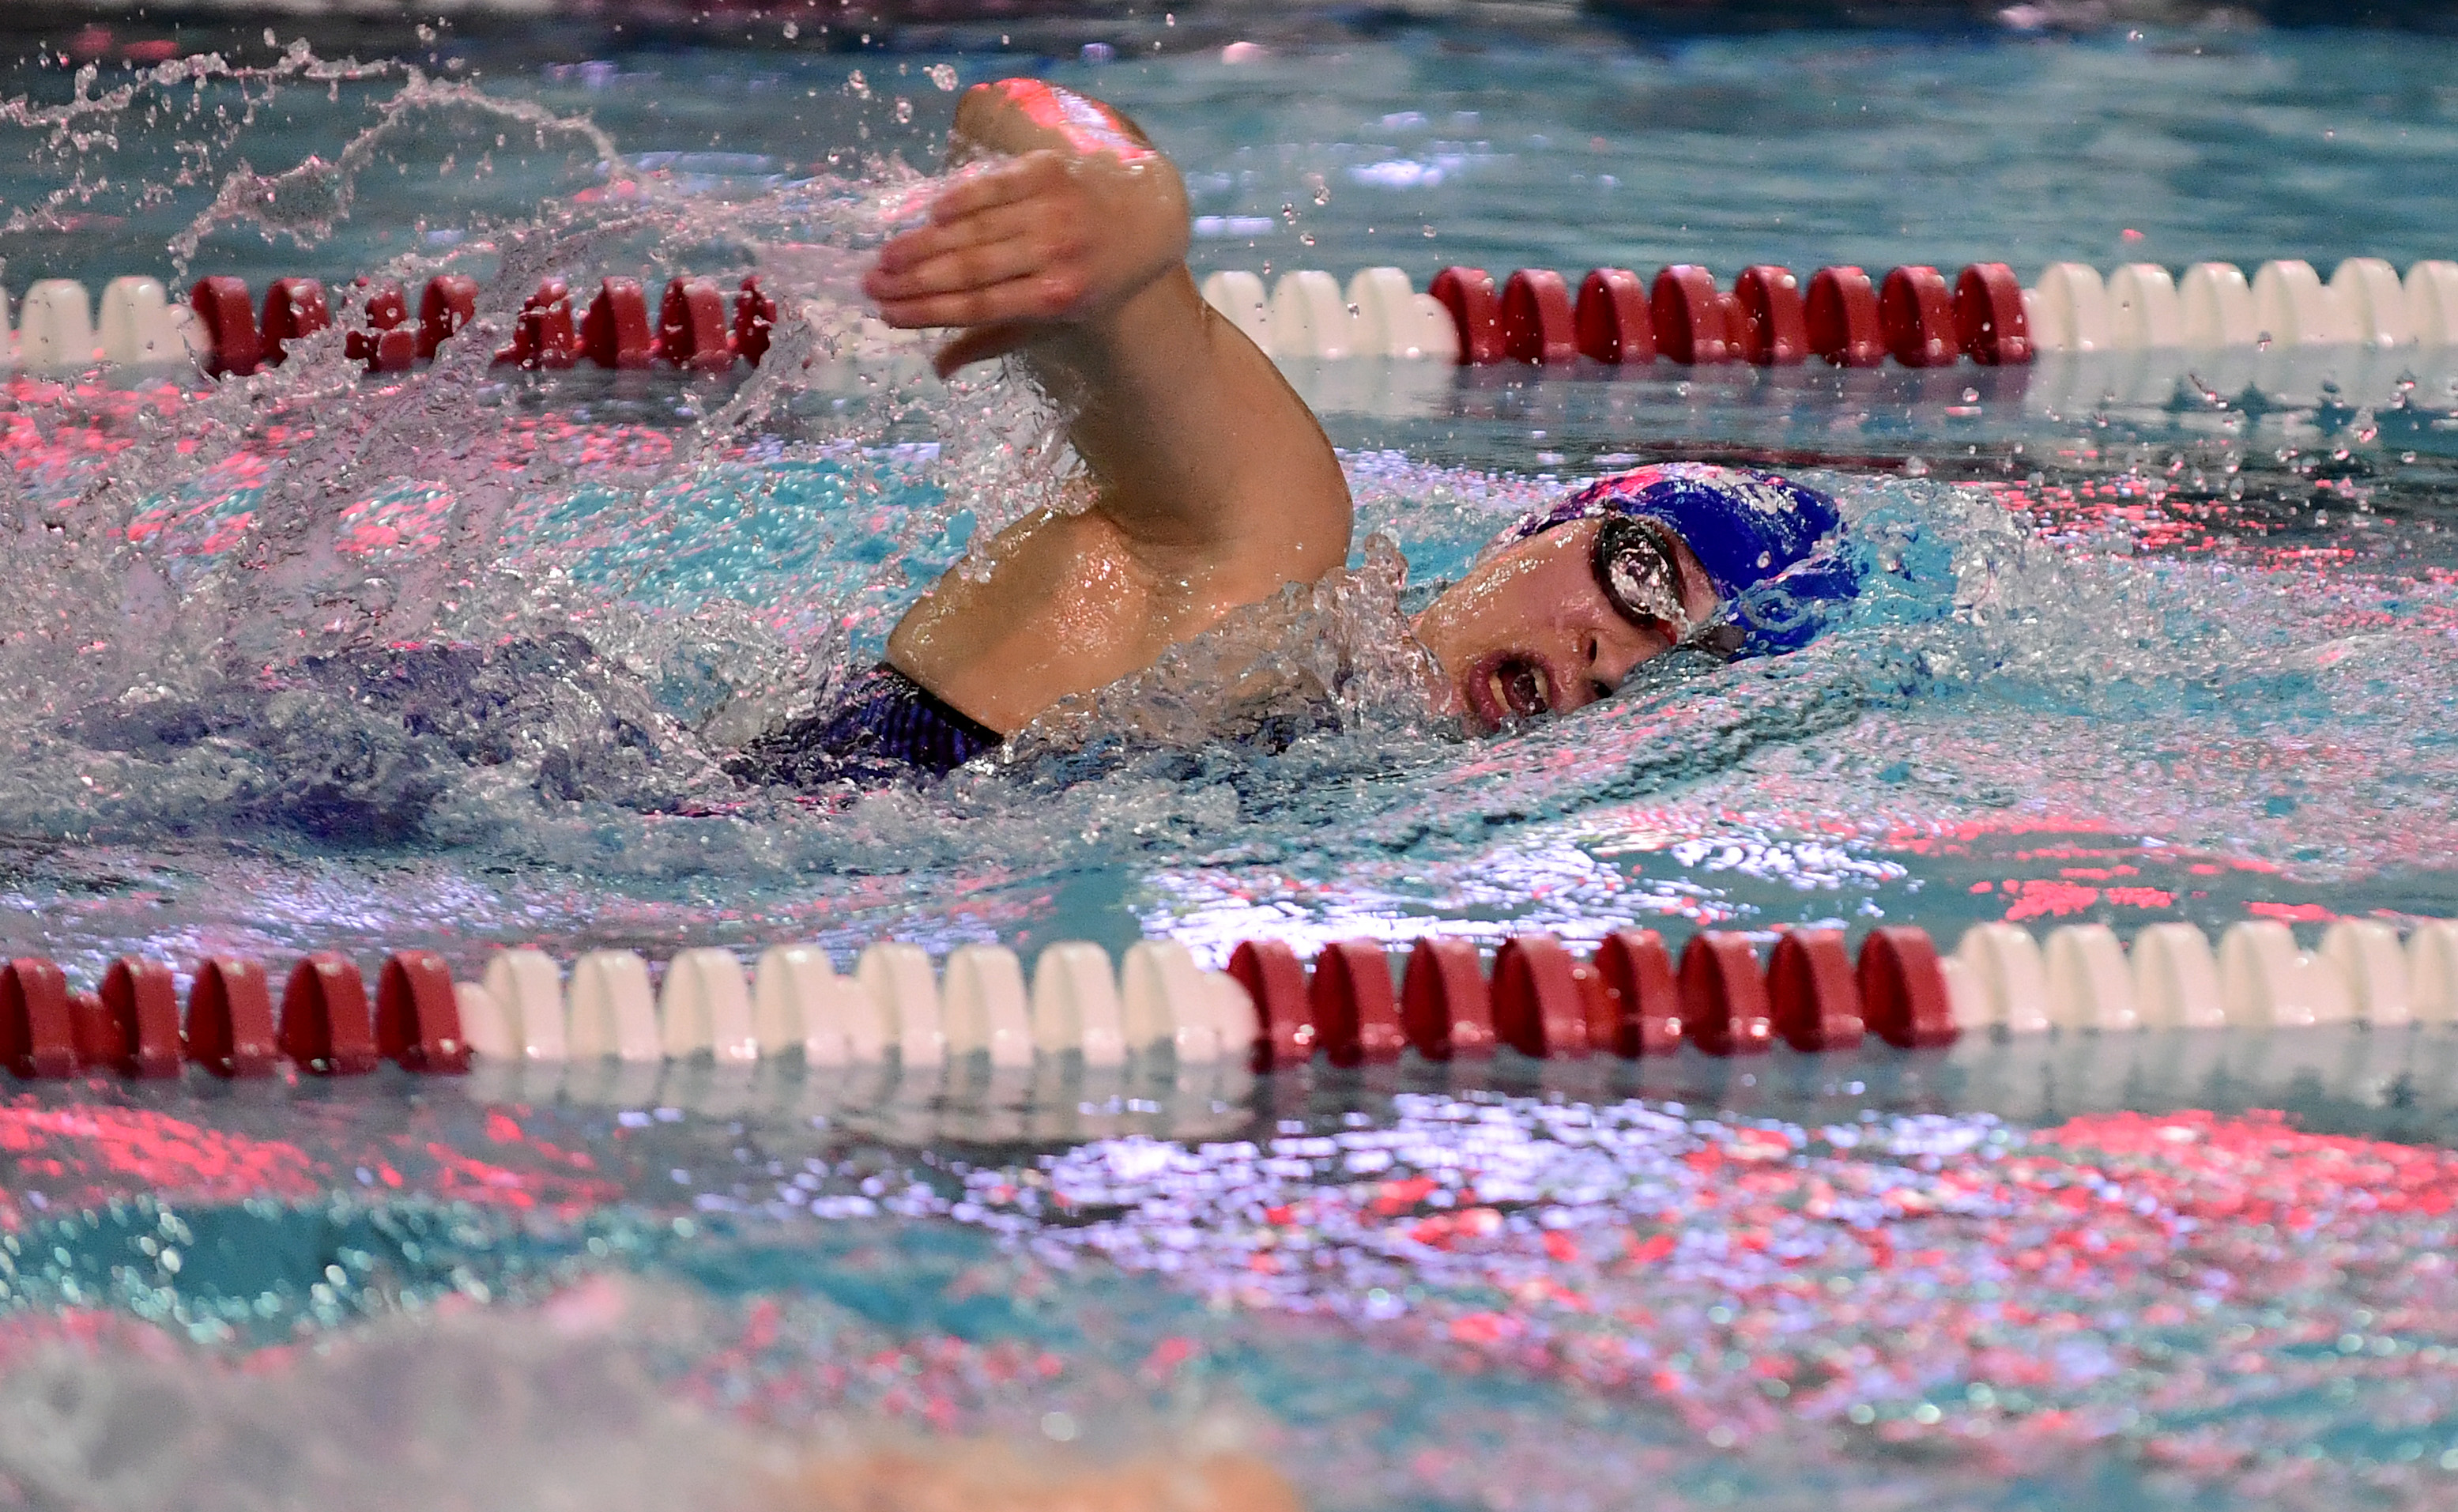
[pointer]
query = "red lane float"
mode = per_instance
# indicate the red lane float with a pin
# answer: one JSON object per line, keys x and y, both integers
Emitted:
{"x": 417, "y": 1018}
{"x": 1537, "y": 321}
{"x": 37, "y": 1031}
{"x": 1548, "y": 1003}
{"x": 755, "y": 320}
{"x": 1354, "y": 1009}
{"x": 1275, "y": 979}
{"x": 1445, "y": 1003}
{"x": 1725, "y": 996}
{"x": 451, "y": 303}
{"x": 1475, "y": 310}
{"x": 1916, "y": 313}
{"x": 293, "y": 308}
{"x": 386, "y": 344}
{"x": 1689, "y": 315}
{"x": 691, "y": 326}
{"x": 1811, "y": 990}
{"x": 230, "y": 1019}
{"x": 1841, "y": 317}
{"x": 542, "y": 334}
{"x": 95, "y": 1037}
{"x": 615, "y": 333}
{"x": 1903, "y": 989}
{"x": 1630, "y": 999}
{"x": 142, "y": 999}
{"x": 1612, "y": 320}
{"x": 1989, "y": 326}
{"x": 1772, "y": 329}
{"x": 228, "y": 317}
{"x": 1645, "y": 991}
{"x": 325, "y": 1028}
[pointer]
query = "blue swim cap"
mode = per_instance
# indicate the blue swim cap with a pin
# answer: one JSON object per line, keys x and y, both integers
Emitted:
{"x": 1770, "y": 546}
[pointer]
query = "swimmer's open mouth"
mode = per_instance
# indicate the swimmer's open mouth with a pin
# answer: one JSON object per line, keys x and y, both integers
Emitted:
{"x": 1509, "y": 685}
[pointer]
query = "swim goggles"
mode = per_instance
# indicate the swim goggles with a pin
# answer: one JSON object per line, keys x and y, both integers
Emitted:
{"x": 1636, "y": 567}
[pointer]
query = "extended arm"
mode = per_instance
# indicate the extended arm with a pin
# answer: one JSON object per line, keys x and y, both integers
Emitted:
{"x": 1214, "y": 485}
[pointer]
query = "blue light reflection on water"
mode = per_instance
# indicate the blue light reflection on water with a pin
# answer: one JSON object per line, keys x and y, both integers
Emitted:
{"x": 1423, "y": 1289}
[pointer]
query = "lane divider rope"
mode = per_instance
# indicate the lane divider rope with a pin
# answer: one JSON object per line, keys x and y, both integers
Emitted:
{"x": 1630, "y": 998}
{"x": 218, "y": 328}
{"x": 1768, "y": 317}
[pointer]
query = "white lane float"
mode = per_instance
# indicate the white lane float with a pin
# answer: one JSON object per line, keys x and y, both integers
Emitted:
{"x": 986, "y": 1007}
{"x": 2217, "y": 304}
{"x": 2068, "y": 311}
{"x": 1310, "y": 317}
{"x": 613, "y": 1014}
{"x": 2006, "y": 960}
{"x": 2089, "y": 984}
{"x": 705, "y": 1008}
{"x": 1075, "y": 1004}
{"x": 2431, "y": 289}
{"x": 897, "y": 976}
{"x": 141, "y": 326}
{"x": 55, "y": 328}
{"x": 2293, "y": 307}
{"x": 2372, "y": 304}
{"x": 2268, "y": 982}
{"x": 1239, "y": 297}
{"x": 2143, "y": 310}
{"x": 2176, "y": 979}
{"x": 526, "y": 985}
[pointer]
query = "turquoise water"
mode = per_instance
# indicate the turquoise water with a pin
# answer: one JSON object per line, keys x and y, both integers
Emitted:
{"x": 315, "y": 661}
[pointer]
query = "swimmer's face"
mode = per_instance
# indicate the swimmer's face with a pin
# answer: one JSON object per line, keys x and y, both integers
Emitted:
{"x": 1530, "y": 629}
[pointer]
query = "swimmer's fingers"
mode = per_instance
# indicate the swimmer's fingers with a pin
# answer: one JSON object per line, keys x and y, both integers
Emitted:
{"x": 983, "y": 252}
{"x": 1034, "y": 174}
{"x": 1044, "y": 296}
{"x": 991, "y": 226}
{"x": 981, "y": 345}
{"x": 996, "y": 206}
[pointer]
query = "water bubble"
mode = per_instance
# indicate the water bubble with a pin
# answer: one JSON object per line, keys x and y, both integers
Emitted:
{"x": 944, "y": 76}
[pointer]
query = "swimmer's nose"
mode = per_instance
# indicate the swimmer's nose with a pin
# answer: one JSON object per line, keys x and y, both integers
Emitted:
{"x": 1610, "y": 659}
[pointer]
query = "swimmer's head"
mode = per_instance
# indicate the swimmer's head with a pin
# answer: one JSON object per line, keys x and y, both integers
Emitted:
{"x": 1568, "y": 601}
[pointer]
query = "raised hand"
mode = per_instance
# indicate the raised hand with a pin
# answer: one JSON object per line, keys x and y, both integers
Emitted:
{"x": 1052, "y": 238}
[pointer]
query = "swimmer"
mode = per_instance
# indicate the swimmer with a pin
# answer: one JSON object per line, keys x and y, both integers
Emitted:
{"x": 1215, "y": 486}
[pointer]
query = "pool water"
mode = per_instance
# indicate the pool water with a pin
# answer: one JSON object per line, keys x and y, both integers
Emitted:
{"x": 314, "y": 660}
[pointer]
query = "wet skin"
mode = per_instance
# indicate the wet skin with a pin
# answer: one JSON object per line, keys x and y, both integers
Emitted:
{"x": 1213, "y": 487}
{"x": 1214, "y": 484}
{"x": 1529, "y": 631}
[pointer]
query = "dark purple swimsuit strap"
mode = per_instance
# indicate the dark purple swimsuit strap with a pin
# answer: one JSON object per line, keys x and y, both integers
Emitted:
{"x": 884, "y": 726}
